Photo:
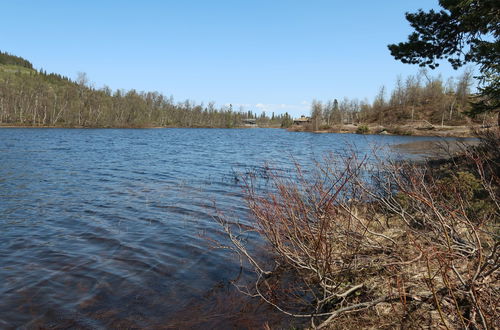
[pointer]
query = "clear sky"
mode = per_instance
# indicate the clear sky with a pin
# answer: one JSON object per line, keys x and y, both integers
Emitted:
{"x": 272, "y": 55}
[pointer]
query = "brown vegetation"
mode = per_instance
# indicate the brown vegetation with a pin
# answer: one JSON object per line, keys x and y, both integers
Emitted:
{"x": 31, "y": 98}
{"x": 384, "y": 244}
{"x": 418, "y": 105}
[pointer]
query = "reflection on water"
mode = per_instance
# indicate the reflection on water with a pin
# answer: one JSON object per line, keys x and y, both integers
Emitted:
{"x": 105, "y": 228}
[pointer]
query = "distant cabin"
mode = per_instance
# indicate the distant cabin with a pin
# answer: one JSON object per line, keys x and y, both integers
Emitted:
{"x": 250, "y": 122}
{"x": 302, "y": 120}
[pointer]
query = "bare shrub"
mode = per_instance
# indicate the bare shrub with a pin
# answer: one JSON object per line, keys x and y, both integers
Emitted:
{"x": 395, "y": 244}
{"x": 452, "y": 215}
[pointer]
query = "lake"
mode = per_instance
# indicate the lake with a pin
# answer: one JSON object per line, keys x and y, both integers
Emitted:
{"x": 106, "y": 228}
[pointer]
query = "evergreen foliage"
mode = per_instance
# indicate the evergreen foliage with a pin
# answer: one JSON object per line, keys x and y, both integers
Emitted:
{"x": 8, "y": 59}
{"x": 465, "y": 31}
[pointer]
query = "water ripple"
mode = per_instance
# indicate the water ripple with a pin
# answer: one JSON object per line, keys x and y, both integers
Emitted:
{"x": 105, "y": 228}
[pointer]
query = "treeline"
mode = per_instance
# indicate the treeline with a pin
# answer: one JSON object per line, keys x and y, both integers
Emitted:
{"x": 8, "y": 59}
{"x": 36, "y": 98}
{"x": 419, "y": 97}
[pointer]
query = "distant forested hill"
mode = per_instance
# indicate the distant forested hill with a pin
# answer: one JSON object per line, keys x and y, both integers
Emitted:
{"x": 30, "y": 97}
{"x": 8, "y": 59}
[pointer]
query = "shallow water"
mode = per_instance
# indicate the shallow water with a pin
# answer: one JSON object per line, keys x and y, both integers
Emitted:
{"x": 107, "y": 228}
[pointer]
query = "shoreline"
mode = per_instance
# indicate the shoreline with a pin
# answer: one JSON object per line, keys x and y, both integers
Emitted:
{"x": 129, "y": 127}
{"x": 446, "y": 131}
{"x": 114, "y": 127}
{"x": 460, "y": 131}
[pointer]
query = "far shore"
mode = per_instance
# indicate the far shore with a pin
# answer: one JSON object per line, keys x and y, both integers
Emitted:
{"x": 84, "y": 127}
{"x": 462, "y": 131}
{"x": 403, "y": 130}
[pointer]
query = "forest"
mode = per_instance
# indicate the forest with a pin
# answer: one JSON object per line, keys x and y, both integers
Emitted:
{"x": 30, "y": 97}
{"x": 416, "y": 97}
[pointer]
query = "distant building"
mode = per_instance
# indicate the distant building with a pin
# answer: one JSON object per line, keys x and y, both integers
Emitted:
{"x": 302, "y": 120}
{"x": 250, "y": 122}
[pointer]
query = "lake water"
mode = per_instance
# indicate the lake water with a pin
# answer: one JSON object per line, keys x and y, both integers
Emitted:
{"x": 107, "y": 228}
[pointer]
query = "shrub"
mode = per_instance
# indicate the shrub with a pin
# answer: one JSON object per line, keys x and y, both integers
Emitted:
{"x": 362, "y": 129}
{"x": 400, "y": 248}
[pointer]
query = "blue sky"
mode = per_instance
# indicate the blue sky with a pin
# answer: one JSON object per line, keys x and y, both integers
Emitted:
{"x": 262, "y": 55}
